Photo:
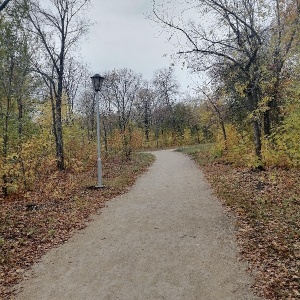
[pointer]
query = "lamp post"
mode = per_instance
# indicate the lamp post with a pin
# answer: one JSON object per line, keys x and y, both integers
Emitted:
{"x": 97, "y": 81}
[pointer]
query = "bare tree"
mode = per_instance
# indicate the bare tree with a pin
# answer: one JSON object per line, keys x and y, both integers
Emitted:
{"x": 214, "y": 99}
{"x": 122, "y": 87}
{"x": 87, "y": 107}
{"x": 58, "y": 28}
{"x": 145, "y": 107}
{"x": 120, "y": 91}
{"x": 166, "y": 89}
{"x": 166, "y": 86}
{"x": 74, "y": 72}
{"x": 234, "y": 36}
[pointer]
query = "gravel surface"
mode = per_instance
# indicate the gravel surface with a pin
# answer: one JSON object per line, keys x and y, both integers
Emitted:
{"x": 167, "y": 238}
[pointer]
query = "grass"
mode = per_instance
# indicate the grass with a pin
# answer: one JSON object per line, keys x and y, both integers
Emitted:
{"x": 202, "y": 153}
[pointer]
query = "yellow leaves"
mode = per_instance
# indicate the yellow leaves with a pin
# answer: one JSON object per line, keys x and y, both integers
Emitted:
{"x": 137, "y": 138}
{"x": 282, "y": 148}
{"x": 187, "y": 137}
{"x": 239, "y": 147}
{"x": 44, "y": 114}
{"x": 240, "y": 89}
{"x": 10, "y": 172}
{"x": 115, "y": 140}
{"x": 264, "y": 104}
{"x": 20, "y": 168}
{"x": 76, "y": 165}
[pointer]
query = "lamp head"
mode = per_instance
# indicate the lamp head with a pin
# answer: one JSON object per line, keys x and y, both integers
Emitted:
{"x": 97, "y": 82}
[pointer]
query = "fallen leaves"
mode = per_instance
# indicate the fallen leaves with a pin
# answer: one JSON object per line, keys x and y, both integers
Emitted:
{"x": 267, "y": 206}
{"x": 36, "y": 221}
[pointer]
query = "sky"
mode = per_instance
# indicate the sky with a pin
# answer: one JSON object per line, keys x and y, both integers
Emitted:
{"x": 123, "y": 37}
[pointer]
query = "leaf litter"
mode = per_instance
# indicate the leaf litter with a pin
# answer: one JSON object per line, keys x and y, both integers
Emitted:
{"x": 267, "y": 207}
{"x": 35, "y": 221}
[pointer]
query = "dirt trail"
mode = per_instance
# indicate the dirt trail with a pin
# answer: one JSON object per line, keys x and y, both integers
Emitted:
{"x": 168, "y": 238}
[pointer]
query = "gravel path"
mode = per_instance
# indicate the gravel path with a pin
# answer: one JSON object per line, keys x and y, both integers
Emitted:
{"x": 168, "y": 238}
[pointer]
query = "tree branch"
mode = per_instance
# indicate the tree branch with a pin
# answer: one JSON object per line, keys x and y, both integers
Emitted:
{"x": 3, "y": 4}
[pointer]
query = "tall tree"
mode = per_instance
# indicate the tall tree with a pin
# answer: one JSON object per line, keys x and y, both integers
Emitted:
{"x": 166, "y": 89}
{"x": 16, "y": 85}
{"x": 144, "y": 107}
{"x": 87, "y": 107}
{"x": 217, "y": 103}
{"x": 74, "y": 73}
{"x": 283, "y": 44}
{"x": 235, "y": 37}
{"x": 58, "y": 28}
{"x": 120, "y": 91}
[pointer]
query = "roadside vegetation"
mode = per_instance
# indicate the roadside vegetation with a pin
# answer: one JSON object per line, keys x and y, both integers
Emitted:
{"x": 246, "y": 117}
{"x": 34, "y": 221}
{"x": 267, "y": 207}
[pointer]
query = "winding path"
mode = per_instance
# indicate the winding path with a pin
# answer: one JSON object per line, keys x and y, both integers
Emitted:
{"x": 167, "y": 238}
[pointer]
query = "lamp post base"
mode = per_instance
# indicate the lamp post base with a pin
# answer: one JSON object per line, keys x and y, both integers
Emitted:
{"x": 99, "y": 186}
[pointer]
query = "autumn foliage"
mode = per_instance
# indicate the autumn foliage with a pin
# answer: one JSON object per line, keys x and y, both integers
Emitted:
{"x": 249, "y": 113}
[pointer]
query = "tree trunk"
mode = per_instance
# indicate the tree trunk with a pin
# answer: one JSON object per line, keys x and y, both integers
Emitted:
{"x": 3, "y": 4}
{"x": 5, "y": 177}
{"x": 224, "y": 134}
{"x": 147, "y": 120}
{"x": 5, "y": 148}
{"x": 20, "y": 134}
{"x": 267, "y": 122}
{"x": 253, "y": 98}
{"x": 58, "y": 125}
{"x": 222, "y": 124}
{"x": 257, "y": 141}
{"x": 271, "y": 115}
{"x": 59, "y": 141}
{"x": 58, "y": 104}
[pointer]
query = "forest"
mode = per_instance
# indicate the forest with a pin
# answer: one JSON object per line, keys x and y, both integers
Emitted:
{"x": 247, "y": 111}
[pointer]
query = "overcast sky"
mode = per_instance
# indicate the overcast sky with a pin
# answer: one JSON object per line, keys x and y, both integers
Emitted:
{"x": 123, "y": 37}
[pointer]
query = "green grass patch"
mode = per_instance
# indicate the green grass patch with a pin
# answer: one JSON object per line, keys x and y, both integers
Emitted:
{"x": 203, "y": 154}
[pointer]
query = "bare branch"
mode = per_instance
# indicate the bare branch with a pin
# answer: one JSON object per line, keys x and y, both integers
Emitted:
{"x": 170, "y": 24}
{"x": 3, "y": 4}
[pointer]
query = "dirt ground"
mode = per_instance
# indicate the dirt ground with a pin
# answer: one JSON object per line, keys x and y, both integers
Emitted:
{"x": 167, "y": 238}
